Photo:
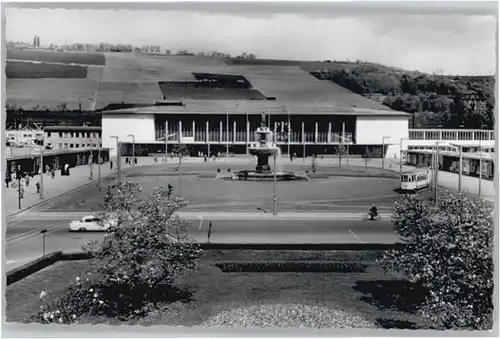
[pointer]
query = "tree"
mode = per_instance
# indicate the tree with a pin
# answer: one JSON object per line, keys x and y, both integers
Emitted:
{"x": 181, "y": 150}
{"x": 449, "y": 251}
{"x": 367, "y": 155}
{"x": 341, "y": 150}
{"x": 137, "y": 263}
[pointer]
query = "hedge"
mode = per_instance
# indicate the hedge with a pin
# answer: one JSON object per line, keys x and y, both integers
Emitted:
{"x": 292, "y": 266}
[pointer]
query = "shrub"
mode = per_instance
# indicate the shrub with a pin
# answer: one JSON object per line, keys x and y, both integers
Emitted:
{"x": 293, "y": 266}
{"x": 138, "y": 262}
{"x": 450, "y": 252}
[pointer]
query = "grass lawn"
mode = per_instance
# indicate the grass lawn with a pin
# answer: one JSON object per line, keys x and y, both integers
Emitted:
{"x": 368, "y": 299}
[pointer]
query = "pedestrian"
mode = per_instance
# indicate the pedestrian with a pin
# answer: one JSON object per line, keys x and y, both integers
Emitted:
{"x": 111, "y": 164}
{"x": 6, "y": 182}
{"x": 27, "y": 181}
{"x": 135, "y": 160}
{"x": 53, "y": 173}
{"x": 37, "y": 187}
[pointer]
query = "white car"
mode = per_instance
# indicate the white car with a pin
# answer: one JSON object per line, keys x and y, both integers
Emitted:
{"x": 91, "y": 223}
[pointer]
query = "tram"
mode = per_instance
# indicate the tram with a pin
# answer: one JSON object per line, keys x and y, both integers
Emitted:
{"x": 415, "y": 179}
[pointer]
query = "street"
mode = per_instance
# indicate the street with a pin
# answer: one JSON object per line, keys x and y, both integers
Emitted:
{"x": 25, "y": 243}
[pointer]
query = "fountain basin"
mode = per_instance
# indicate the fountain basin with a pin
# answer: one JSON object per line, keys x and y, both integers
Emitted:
{"x": 264, "y": 176}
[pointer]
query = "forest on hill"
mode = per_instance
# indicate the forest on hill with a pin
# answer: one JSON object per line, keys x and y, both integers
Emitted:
{"x": 432, "y": 100}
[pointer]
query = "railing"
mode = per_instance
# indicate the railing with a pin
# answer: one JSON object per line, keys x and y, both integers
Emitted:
{"x": 446, "y": 134}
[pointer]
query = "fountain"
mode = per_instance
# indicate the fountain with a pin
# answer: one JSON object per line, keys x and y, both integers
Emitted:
{"x": 263, "y": 149}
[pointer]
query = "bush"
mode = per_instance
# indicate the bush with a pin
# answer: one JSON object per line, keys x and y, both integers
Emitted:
{"x": 137, "y": 263}
{"x": 293, "y": 266}
{"x": 450, "y": 252}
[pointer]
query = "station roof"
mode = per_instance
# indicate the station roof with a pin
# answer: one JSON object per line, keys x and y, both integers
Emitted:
{"x": 28, "y": 153}
{"x": 72, "y": 128}
{"x": 475, "y": 155}
{"x": 256, "y": 107}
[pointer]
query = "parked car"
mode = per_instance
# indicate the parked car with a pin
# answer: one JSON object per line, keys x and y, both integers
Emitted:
{"x": 91, "y": 223}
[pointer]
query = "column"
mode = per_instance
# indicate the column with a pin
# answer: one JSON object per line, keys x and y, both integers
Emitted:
{"x": 166, "y": 128}
{"x": 180, "y": 130}
{"x": 194, "y": 130}
{"x": 440, "y": 134}
{"x": 329, "y": 138}
{"x": 316, "y": 132}
{"x": 220, "y": 132}
{"x": 207, "y": 137}
{"x": 234, "y": 131}
{"x": 303, "y": 134}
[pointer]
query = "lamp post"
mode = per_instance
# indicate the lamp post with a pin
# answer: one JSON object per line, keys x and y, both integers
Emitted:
{"x": 401, "y": 156}
{"x": 436, "y": 171}
{"x": 383, "y": 149}
{"x": 227, "y": 134}
{"x": 460, "y": 159}
{"x": 41, "y": 168}
{"x": 18, "y": 177}
{"x": 118, "y": 157}
{"x": 275, "y": 194}
{"x": 481, "y": 160}
{"x": 91, "y": 174}
{"x": 133, "y": 147}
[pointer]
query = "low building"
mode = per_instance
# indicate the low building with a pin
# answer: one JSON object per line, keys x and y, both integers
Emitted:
{"x": 23, "y": 137}
{"x": 72, "y": 137}
{"x": 213, "y": 126}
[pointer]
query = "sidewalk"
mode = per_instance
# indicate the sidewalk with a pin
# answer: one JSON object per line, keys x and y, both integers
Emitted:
{"x": 445, "y": 179}
{"x": 79, "y": 176}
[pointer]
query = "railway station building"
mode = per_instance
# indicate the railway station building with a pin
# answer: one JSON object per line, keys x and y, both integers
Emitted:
{"x": 212, "y": 126}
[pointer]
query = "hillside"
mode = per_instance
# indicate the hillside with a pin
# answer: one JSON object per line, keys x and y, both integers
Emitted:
{"x": 433, "y": 100}
{"x": 90, "y": 81}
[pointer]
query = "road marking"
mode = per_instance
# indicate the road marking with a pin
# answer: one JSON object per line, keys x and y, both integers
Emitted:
{"x": 355, "y": 236}
{"x": 34, "y": 231}
{"x": 201, "y": 222}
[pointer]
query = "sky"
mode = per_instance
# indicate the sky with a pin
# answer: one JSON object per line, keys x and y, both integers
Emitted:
{"x": 451, "y": 44}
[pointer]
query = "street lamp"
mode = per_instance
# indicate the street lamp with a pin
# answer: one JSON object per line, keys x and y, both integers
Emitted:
{"x": 41, "y": 167}
{"x": 383, "y": 149}
{"x": 436, "y": 170}
{"x": 133, "y": 147}
{"x": 275, "y": 194}
{"x": 227, "y": 134}
{"x": 481, "y": 160}
{"x": 401, "y": 156}
{"x": 118, "y": 156}
{"x": 459, "y": 166}
{"x": 165, "y": 138}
